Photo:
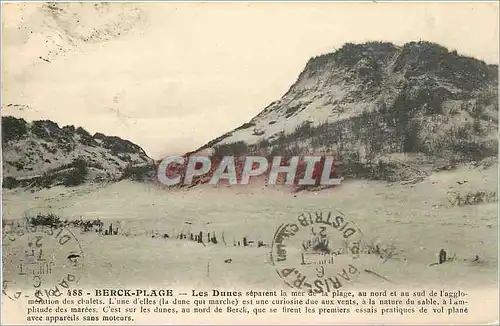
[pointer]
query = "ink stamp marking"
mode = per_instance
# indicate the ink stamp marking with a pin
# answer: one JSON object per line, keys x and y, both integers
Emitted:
{"x": 40, "y": 262}
{"x": 317, "y": 251}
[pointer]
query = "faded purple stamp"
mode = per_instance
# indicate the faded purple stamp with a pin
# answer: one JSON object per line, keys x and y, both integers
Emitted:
{"x": 317, "y": 251}
{"x": 40, "y": 262}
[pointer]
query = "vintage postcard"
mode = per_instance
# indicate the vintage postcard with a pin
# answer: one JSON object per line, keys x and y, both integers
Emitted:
{"x": 249, "y": 163}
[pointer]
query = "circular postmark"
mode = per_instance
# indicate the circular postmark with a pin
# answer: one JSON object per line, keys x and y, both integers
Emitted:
{"x": 40, "y": 262}
{"x": 317, "y": 251}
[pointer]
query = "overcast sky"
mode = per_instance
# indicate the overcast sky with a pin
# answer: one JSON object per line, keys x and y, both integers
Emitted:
{"x": 186, "y": 73}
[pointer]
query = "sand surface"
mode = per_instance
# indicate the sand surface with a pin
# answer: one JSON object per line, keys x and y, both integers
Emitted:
{"x": 417, "y": 220}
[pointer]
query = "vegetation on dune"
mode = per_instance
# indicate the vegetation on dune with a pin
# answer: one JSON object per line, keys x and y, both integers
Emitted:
{"x": 138, "y": 173}
{"x": 49, "y": 220}
{"x": 13, "y": 129}
{"x": 77, "y": 174}
{"x": 436, "y": 105}
{"x": 40, "y": 154}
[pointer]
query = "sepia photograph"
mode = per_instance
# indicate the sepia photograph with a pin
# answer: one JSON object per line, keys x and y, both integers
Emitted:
{"x": 249, "y": 163}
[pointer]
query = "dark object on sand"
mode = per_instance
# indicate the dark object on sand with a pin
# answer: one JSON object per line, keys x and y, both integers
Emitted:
{"x": 228, "y": 261}
{"x": 442, "y": 256}
{"x": 73, "y": 257}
